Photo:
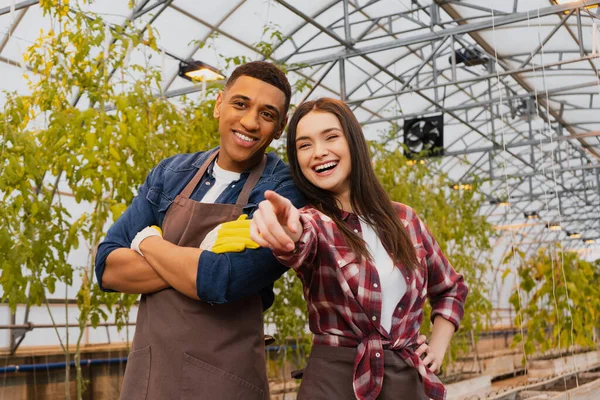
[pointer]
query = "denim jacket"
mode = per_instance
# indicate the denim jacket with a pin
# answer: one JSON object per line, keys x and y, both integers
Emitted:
{"x": 221, "y": 277}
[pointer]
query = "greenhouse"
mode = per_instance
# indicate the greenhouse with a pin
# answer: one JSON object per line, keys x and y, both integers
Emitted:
{"x": 436, "y": 234}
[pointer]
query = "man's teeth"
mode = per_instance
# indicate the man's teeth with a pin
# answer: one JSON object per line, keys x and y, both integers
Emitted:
{"x": 325, "y": 166}
{"x": 243, "y": 137}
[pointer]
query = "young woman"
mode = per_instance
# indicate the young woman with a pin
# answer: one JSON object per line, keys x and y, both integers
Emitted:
{"x": 367, "y": 265}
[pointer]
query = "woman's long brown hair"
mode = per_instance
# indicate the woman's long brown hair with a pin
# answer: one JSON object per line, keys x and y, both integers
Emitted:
{"x": 367, "y": 197}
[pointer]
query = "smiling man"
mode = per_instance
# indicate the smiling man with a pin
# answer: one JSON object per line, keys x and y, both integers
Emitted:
{"x": 199, "y": 330}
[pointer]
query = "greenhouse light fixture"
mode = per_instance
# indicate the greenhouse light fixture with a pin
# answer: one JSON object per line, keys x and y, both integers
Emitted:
{"x": 573, "y": 235}
{"x": 589, "y": 241}
{"x": 410, "y": 163}
{"x": 553, "y": 226}
{"x": 531, "y": 215}
{"x": 469, "y": 57}
{"x": 198, "y": 71}
{"x": 460, "y": 186}
{"x": 499, "y": 202}
{"x": 561, "y": 2}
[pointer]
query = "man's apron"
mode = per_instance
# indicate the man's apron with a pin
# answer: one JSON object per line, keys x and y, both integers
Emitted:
{"x": 187, "y": 349}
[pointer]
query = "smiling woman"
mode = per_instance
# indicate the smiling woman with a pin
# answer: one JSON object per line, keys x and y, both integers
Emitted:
{"x": 324, "y": 155}
{"x": 367, "y": 265}
{"x": 325, "y": 131}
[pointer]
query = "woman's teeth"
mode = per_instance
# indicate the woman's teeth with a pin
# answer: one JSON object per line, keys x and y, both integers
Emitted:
{"x": 243, "y": 137}
{"x": 322, "y": 167}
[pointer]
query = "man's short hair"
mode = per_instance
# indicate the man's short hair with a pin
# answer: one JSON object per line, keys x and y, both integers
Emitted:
{"x": 266, "y": 72}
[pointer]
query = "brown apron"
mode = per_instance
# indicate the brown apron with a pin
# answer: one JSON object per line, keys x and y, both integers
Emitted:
{"x": 187, "y": 349}
{"x": 328, "y": 376}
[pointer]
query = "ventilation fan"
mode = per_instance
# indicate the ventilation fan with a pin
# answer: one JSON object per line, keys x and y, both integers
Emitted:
{"x": 424, "y": 137}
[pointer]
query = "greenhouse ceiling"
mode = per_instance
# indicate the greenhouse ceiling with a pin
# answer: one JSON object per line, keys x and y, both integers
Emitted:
{"x": 515, "y": 80}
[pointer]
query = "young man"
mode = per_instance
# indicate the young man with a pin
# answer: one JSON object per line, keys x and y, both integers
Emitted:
{"x": 213, "y": 348}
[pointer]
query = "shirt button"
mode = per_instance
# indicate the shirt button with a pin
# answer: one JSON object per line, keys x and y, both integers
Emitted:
{"x": 377, "y": 355}
{"x": 375, "y": 285}
{"x": 356, "y": 231}
{"x": 374, "y": 318}
{"x": 232, "y": 186}
{"x": 207, "y": 183}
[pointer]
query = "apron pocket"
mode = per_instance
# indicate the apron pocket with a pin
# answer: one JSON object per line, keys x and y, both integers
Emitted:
{"x": 137, "y": 375}
{"x": 203, "y": 381}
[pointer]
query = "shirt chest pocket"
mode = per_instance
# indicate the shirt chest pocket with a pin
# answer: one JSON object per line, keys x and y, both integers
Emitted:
{"x": 348, "y": 266}
{"x": 158, "y": 198}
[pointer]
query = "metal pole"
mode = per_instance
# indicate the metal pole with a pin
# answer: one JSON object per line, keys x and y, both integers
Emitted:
{"x": 342, "y": 64}
{"x": 453, "y": 57}
{"x": 30, "y": 325}
{"x": 18, "y": 6}
{"x": 580, "y": 33}
{"x": 347, "y": 32}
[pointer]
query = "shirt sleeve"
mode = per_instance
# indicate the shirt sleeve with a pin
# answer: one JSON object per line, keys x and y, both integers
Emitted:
{"x": 446, "y": 288}
{"x": 229, "y": 277}
{"x": 302, "y": 258}
{"x": 140, "y": 214}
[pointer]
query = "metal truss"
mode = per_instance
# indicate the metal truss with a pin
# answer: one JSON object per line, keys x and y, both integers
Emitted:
{"x": 555, "y": 154}
{"x": 504, "y": 132}
{"x": 539, "y": 149}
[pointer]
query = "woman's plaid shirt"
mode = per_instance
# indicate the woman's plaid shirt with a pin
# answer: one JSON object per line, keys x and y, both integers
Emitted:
{"x": 343, "y": 294}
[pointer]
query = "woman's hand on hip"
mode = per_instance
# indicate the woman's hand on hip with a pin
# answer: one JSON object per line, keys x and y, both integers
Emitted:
{"x": 430, "y": 356}
{"x": 276, "y": 223}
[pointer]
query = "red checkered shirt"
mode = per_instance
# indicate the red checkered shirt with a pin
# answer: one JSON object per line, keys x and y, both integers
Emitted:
{"x": 343, "y": 294}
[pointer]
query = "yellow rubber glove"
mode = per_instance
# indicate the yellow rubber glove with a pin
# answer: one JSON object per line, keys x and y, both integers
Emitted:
{"x": 230, "y": 237}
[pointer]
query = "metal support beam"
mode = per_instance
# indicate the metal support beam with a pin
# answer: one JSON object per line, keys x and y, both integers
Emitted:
{"x": 539, "y": 173}
{"x": 19, "y": 6}
{"x": 423, "y": 63}
{"x": 347, "y": 31}
{"x": 453, "y": 57}
{"x": 546, "y": 39}
{"x": 532, "y": 142}
{"x": 580, "y": 33}
{"x": 492, "y": 77}
{"x": 12, "y": 28}
{"x": 438, "y": 35}
{"x": 342, "y": 64}
{"x": 542, "y": 103}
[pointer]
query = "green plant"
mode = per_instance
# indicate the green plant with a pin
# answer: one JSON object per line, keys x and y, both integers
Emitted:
{"x": 559, "y": 300}
{"x": 86, "y": 132}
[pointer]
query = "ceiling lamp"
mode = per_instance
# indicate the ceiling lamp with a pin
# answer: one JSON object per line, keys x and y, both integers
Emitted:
{"x": 499, "y": 202}
{"x": 561, "y": 2}
{"x": 469, "y": 57}
{"x": 531, "y": 215}
{"x": 198, "y": 71}
{"x": 589, "y": 241}
{"x": 460, "y": 186}
{"x": 573, "y": 235}
{"x": 553, "y": 226}
{"x": 411, "y": 163}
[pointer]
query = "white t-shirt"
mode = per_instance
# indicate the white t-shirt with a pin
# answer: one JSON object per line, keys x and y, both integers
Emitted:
{"x": 223, "y": 178}
{"x": 391, "y": 279}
